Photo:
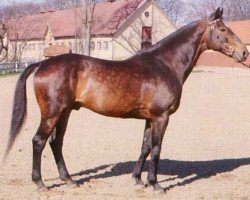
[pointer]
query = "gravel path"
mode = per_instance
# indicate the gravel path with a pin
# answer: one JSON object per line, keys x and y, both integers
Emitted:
{"x": 205, "y": 154}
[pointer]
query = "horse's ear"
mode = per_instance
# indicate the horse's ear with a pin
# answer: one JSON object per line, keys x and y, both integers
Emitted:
{"x": 216, "y": 15}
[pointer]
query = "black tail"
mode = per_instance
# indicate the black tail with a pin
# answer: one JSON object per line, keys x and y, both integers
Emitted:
{"x": 19, "y": 107}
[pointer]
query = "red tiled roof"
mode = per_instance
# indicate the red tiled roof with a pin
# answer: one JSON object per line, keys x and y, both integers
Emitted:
{"x": 108, "y": 17}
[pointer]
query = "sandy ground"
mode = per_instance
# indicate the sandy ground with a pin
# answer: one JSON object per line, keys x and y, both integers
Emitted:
{"x": 205, "y": 154}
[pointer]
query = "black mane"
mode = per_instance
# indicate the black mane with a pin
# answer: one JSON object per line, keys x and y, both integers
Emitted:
{"x": 177, "y": 37}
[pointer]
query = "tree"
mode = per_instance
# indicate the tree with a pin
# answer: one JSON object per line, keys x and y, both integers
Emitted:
{"x": 88, "y": 9}
{"x": 237, "y": 9}
{"x": 173, "y": 8}
{"x": 233, "y": 9}
{"x": 17, "y": 29}
{"x": 3, "y": 43}
{"x": 60, "y": 4}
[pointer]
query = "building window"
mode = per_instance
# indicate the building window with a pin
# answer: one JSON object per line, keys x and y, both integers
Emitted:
{"x": 105, "y": 45}
{"x": 13, "y": 48}
{"x": 80, "y": 46}
{"x": 40, "y": 46}
{"x": 25, "y": 48}
{"x": 70, "y": 45}
{"x": 99, "y": 45}
{"x": 92, "y": 46}
{"x": 146, "y": 37}
{"x": 146, "y": 14}
{"x": 19, "y": 46}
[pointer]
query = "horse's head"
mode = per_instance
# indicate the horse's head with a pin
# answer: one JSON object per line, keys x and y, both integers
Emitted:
{"x": 221, "y": 38}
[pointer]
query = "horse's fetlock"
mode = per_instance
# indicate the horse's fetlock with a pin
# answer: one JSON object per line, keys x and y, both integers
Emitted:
{"x": 152, "y": 179}
{"x": 136, "y": 174}
{"x": 35, "y": 177}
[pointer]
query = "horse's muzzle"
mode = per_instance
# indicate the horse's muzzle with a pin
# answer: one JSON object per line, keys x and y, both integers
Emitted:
{"x": 240, "y": 56}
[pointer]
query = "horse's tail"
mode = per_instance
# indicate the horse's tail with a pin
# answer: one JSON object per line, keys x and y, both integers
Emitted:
{"x": 19, "y": 107}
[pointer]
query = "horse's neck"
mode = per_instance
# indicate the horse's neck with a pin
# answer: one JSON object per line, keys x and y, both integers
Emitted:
{"x": 181, "y": 50}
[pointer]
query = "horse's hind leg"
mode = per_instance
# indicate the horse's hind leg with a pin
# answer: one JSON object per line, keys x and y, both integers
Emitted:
{"x": 56, "y": 143}
{"x": 145, "y": 150}
{"x": 45, "y": 129}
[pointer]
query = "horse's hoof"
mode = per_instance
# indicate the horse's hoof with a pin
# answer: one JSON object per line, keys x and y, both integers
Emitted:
{"x": 43, "y": 189}
{"x": 72, "y": 184}
{"x": 159, "y": 191}
{"x": 140, "y": 186}
{"x": 138, "y": 181}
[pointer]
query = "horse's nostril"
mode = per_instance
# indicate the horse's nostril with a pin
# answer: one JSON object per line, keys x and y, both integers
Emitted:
{"x": 245, "y": 54}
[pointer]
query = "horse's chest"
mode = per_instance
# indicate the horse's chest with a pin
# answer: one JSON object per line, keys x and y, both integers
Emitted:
{"x": 161, "y": 98}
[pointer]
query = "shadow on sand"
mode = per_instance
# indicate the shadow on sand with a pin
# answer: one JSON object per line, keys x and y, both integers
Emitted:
{"x": 188, "y": 171}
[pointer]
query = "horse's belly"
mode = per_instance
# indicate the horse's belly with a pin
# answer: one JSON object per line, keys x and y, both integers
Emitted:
{"x": 109, "y": 104}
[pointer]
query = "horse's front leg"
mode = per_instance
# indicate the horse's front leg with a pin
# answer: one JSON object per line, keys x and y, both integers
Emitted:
{"x": 159, "y": 126}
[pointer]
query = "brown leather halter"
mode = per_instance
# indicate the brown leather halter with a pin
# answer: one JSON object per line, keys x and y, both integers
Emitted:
{"x": 229, "y": 50}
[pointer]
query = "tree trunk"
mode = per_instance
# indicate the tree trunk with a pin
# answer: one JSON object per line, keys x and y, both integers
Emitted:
{"x": 88, "y": 7}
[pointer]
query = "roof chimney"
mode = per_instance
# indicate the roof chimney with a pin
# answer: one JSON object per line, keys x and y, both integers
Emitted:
{"x": 51, "y": 11}
{"x": 42, "y": 11}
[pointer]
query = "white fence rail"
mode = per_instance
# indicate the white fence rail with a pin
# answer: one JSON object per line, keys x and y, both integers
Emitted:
{"x": 12, "y": 67}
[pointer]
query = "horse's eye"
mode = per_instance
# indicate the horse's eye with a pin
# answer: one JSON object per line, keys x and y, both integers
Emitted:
{"x": 222, "y": 29}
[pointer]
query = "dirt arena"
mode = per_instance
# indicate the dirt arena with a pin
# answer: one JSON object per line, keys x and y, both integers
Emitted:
{"x": 205, "y": 154}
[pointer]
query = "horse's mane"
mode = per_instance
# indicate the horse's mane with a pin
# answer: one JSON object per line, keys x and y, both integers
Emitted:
{"x": 173, "y": 37}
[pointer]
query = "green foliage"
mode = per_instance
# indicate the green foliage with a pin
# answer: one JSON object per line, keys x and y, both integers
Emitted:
{"x": 4, "y": 73}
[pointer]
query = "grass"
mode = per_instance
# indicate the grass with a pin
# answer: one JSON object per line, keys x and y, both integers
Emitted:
{"x": 9, "y": 73}
{"x": 195, "y": 70}
{"x": 13, "y": 72}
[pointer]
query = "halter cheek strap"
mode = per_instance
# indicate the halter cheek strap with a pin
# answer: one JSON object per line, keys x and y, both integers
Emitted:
{"x": 229, "y": 50}
{"x": 211, "y": 24}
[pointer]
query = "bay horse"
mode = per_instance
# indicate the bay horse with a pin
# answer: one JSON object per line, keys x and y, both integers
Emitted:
{"x": 146, "y": 86}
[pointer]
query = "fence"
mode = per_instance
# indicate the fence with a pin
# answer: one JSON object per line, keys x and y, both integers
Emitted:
{"x": 13, "y": 67}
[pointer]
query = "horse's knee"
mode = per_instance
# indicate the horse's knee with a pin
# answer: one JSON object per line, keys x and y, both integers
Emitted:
{"x": 145, "y": 151}
{"x": 38, "y": 141}
{"x": 155, "y": 153}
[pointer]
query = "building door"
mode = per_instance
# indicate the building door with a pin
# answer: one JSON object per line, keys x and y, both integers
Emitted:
{"x": 146, "y": 37}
